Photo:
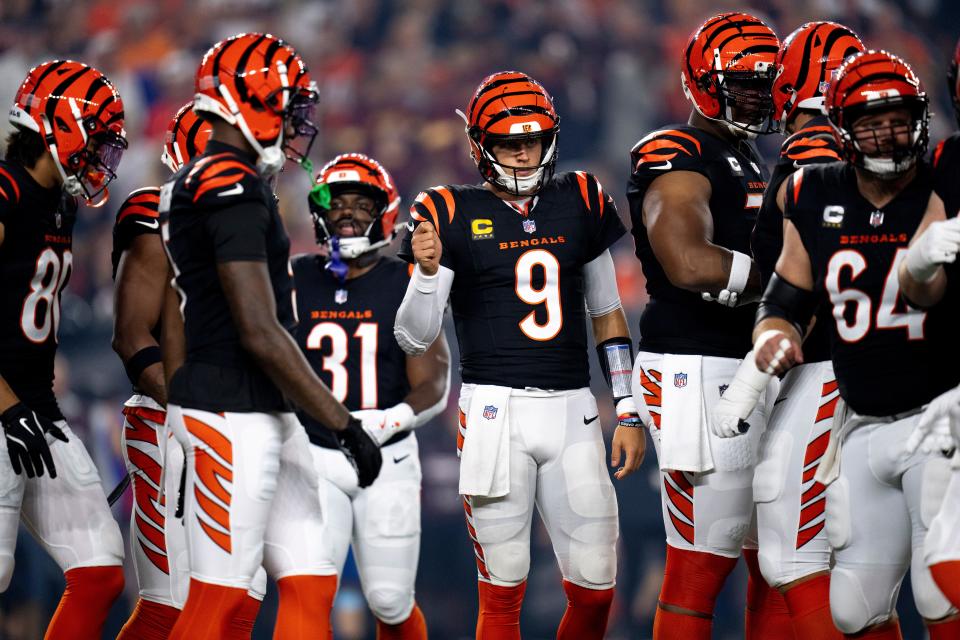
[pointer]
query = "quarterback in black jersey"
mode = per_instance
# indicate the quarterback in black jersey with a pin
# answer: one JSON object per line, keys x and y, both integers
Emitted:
{"x": 47, "y": 168}
{"x": 347, "y": 301}
{"x": 928, "y": 276}
{"x": 791, "y": 532}
{"x": 694, "y": 194}
{"x": 517, "y": 257}
{"x": 846, "y": 232}
{"x": 251, "y": 487}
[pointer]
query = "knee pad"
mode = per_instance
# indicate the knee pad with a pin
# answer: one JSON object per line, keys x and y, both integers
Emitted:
{"x": 770, "y": 475}
{"x": 6, "y": 570}
{"x": 593, "y": 554}
{"x": 508, "y": 563}
{"x": 930, "y": 601}
{"x": 857, "y": 602}
{"x": 693, "y": 579}
{"x": 390, "y": 604}
{"x": 838, "y": 513}
{"x": 725, "y": 536}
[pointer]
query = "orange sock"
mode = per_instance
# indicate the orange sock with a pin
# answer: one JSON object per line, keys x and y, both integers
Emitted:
{"x": 149, "y": 621}
{"x": 668, "y": 625}
{"x": 586, "y": 614}
{"x": 305, "y": 605}
{"x": 85, "y": 602}
{"x": 413, "y": 628}
{"x": 947, "y": 577}
{"x": 809, "y": 604}
{"x": 209, "y": 612}
{"x": 766, "y": 614}
{"x": 946, "y": 630}
{"x": 499, "y": 617}
{"x": 691, "y": 580}
{"x": 888, "y": 631}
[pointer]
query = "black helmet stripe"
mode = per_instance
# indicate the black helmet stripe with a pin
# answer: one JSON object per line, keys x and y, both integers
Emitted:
{"x": 241, "y": 82}
{"x": 499, "y": 83}
{"x": 499, "y": 96}
{"x": 61, "y": 88}
{"x": 192, "y": 135}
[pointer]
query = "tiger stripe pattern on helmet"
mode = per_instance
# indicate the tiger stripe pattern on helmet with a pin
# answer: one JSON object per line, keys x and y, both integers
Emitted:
{"x": 805, "y": 64}
{"x": 727, "y": 45}
{"x": 510, "y": 105}
{"x": 186, "y": 137}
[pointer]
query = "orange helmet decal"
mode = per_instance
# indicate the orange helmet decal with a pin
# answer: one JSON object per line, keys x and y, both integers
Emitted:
{"x": 356, "y": 172}
{"x": 69, "y": 104}
{"x": 259, "y": 84}
{"x": 805, "y": 63}
{"x": 186, "y": 138}
{"x": 874, "y": 81}
{"x": 512, "y": 106}
{"x": 730, "y": 47}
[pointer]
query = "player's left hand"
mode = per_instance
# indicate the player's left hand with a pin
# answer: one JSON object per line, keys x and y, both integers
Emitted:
{"x": 933, "y": 432}
{"x": 362, "y": 452}
{"x": 629, "y": 440}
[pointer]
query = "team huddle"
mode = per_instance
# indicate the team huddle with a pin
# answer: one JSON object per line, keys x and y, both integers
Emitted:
{"x": 790, "y": 368}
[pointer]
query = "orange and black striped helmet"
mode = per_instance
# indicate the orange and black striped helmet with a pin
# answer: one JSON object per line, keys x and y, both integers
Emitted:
{"x": 186, "y": 138}
{"x": 259, "y": 84}
{"x": 872, "y": 82}
{"x": 79, "y": 114}
{"x": 727, "y": 72}
{"x": 510, "y": 106}
{"x": 355, "y": 173}
{"x": 806, "y": 60}
{"x": 953, "y": 81}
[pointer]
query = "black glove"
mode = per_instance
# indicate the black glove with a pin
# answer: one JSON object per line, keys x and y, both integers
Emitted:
{"x": 362, "y": 452}
{"x": 27, "y": 440}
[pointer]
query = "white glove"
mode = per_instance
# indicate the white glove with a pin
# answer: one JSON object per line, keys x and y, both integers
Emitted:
{"x": 383, "y": 424}
{"x": 937, "y": 245}
{"x": 933, "y": 431}
{"x": 726, "y": 297}
{"x": 728, "y": 416}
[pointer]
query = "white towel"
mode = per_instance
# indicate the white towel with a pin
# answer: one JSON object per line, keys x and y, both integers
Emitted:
{"x": 828, "y": 469}
{"x": 684, "y": 438}
{"x": 485, "y": 457}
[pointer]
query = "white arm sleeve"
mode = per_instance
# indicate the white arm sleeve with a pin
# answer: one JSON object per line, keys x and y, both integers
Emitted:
{"x": 600, "y": 285}
{"x": 420, "y": 316}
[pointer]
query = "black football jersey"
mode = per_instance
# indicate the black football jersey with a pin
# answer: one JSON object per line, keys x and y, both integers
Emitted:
{"x": 887, "y": 355}
{"x": 946, "y": 176}
{"x": 346, "y": 333}
{"x": 137, "y": 216}
{"x": 676, "y": 320}
{"x": 813, "y": 144}
{"x": 518, "y": 289}
{"x": 218, "y": 209}
{"x": 35, "y": 264}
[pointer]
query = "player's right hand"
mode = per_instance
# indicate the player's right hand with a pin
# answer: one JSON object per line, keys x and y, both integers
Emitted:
{"x": 362, "y": 452}
{"x": 938, "y": 245}
{"x": 775, "y": 352}
{"x": 728, "y": 418}
{"x": 933, "y": 431}
{"x": 27, "y": 445}
{"x": 426, "y": 248}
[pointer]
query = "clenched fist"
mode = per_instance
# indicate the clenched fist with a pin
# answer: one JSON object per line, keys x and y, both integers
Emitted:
{"x": 426, "y": 248}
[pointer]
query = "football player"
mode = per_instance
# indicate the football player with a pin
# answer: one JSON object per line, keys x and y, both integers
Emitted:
{"x": 846, "y": 231}
{"x": 347, "y": 301}
{"x": 152, "y": 456}
{"x": 251, "y": 487}
{"x": 523, "y": 258}
{"x": 694, "y": 195}
{"x": 794, "y": 554}
{"x": 927, "y": 276}
{"x": 67, "y": 142}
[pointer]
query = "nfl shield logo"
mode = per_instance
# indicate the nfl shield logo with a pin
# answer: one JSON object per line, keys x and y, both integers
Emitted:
{"x": 679, "y": 380}
{"x": 876, "y": 219}
{"x": 529, "y": 226}
{"x": 340, "y": 296}
{"x": 489, "y": 412}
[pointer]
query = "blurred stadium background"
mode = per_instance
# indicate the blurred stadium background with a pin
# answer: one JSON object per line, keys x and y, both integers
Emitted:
{"x": 391, "y": 74}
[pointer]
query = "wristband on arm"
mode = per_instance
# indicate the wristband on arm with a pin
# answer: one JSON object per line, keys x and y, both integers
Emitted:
{"x": 139, "y": 361}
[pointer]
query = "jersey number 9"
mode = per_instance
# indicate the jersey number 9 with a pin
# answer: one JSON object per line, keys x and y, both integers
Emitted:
{"x": 548, "y": 295}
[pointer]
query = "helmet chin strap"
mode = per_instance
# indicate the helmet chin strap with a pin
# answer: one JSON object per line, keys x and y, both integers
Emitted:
{"x": 269, "y": 159}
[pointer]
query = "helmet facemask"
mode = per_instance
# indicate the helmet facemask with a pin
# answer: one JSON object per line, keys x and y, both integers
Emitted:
{"x": 358, "y": 241}
{"x": 88, "y": 171}
{"x": 744, "y": 98}
{"x": 507, "y": 177}
{"x": 876, "y": 149}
